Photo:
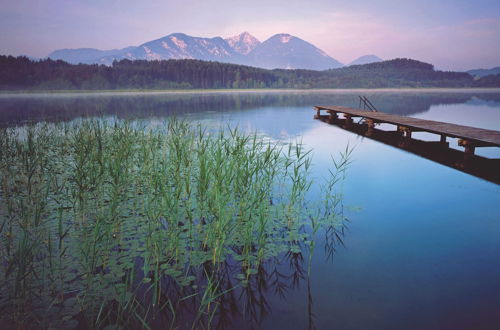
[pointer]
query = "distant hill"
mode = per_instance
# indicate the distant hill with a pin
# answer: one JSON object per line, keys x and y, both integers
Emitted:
{"x": 366, "y": 59}
{"x": 492, "y": 80}
{"x": 484, "y": 72}
{"x": 280, "y": 51}
{"x": 399, "y": 72}
{"x": 22, "y": 73}
{"x": 85, "y": 55}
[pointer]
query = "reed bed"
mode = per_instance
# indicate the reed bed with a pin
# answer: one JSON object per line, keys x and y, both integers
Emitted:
{"x": 116, "y": 224}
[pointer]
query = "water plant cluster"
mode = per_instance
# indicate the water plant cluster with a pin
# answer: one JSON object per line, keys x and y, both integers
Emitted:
{"x": 112, "y": 224}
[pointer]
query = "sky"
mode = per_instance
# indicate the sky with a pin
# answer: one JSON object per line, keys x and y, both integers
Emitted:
{"x": 451, "y": 34}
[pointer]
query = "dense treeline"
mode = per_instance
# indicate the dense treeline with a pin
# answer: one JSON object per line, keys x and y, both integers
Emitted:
{"x": 23, "y": 73}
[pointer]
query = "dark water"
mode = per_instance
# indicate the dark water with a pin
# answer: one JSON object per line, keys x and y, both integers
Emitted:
{"x": 422, "y": 249}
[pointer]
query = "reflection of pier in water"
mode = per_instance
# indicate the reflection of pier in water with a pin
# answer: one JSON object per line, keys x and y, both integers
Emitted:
{"x": 438, "y": 151}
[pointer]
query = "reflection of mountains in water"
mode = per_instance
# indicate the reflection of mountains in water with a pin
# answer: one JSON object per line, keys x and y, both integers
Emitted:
{"x": 20, "y": 110}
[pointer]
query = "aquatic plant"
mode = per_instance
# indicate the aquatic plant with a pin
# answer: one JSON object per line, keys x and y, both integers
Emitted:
{"x": 119, "y": 224}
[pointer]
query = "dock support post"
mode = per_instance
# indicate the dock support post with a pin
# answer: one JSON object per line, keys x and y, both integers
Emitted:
{"x": 348, "y": 120}
{"x": 400, "y": 130}
{"x": 333, "y": 117}
{"x": 469, "y": 148}
{"x": 318, "y": 113}
{"x": 442, "y": 141}
{"x": 371, "y": 125}
{"x": 405, "y": 130}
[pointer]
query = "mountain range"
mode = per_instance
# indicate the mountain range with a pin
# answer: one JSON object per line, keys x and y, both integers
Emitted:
{"x": 484, "y": 72}
{"x": 282, "y": 51}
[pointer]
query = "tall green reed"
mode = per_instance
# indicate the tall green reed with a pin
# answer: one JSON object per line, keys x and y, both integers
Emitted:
{"x": 97, "y": 215}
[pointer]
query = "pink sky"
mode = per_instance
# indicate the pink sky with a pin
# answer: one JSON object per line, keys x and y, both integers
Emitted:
{"x": 451, "y": 34}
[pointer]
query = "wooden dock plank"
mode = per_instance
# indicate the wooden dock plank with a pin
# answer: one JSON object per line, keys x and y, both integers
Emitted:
{"x": 479, "y": 136}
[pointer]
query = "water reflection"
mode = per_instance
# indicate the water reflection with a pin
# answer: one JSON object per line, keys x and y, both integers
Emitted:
{"x": 236, "y": 306}
{"x": 22, "y": 109}
{"x": 437, "y": 151}
{"x": 231, "y": 303}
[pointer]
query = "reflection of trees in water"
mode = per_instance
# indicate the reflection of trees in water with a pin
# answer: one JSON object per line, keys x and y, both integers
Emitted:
{"x": 235, "y": 305}
{"x": 413, "y": 103}
{"x": 18, "y": 110}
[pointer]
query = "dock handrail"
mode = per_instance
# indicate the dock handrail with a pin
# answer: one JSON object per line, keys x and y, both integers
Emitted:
{"x": 366, "y": 103}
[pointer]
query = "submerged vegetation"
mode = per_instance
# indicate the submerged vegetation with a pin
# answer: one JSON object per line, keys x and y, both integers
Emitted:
{"x": 122, "y": 224}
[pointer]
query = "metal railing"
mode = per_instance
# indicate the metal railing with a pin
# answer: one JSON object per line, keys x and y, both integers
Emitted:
{"x": 366, "y": 104}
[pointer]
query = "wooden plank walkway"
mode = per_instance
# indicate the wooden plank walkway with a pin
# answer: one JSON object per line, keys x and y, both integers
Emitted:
{"x": 469, "y": 137}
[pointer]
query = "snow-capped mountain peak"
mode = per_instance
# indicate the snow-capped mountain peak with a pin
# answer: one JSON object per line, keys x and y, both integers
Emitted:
{"x": 243, "y": 43}
{"x": 284, "y": 38}
{"x": 178, "y": 42}
{"x": 279, "y": 51}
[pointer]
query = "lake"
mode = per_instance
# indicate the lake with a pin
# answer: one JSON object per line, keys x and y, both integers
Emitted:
{"x": 422, "y": 245}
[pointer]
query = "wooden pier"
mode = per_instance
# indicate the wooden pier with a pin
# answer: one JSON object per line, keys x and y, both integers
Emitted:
{"x": 468, "y": 137}
{"x": 437, "y": 151}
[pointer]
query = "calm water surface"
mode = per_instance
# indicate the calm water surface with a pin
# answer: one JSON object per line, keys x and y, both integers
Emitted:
{"x": 422, "y": 249}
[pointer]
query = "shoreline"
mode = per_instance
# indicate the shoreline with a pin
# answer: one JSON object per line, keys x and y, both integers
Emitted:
{"x": 132, "y": 92}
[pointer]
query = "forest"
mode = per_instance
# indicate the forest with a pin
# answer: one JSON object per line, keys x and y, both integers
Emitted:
{"x": 22, "y": 73}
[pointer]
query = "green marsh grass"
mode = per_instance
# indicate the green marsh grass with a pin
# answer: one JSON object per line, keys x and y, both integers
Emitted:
{"x": 119, "y": 224}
